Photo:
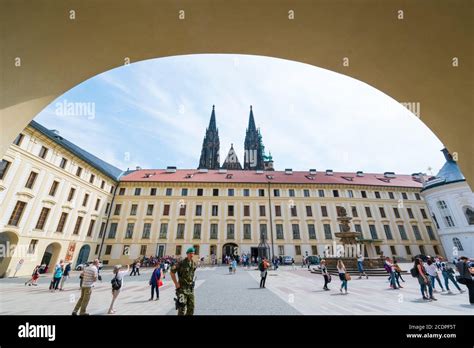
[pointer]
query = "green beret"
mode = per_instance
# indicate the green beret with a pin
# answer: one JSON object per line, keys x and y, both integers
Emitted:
{"x": 190, "y": 250}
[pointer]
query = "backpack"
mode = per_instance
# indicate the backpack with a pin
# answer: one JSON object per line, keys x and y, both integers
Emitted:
{"x": 261, "y": 267}
{"x": 116, "y": 283}
{"x": 414, "y": 272}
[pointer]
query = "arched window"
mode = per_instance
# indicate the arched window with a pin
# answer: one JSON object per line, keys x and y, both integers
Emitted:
{"x": 457, "y": 244}
{"x": 469, "y": 214}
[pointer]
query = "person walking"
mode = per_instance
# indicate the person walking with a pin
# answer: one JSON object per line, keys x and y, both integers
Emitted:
{"x": 117, "y": 285}
{"x": 398, "y": 272}
{"x": 448, "y": 274}
{"x": 137, "y": 267}
{"x": 432, "y": 271}
{"x": 388, "y": 265}
{"x": 423, "y": 279}
{"x": 155, "y": 282}
{"x": 185, "y": 284}
{"x": 234, "y": 266}
{"x": 90, "y": 276}
{"x": 325, "y": 273}
{"x": 65, "y": 276}
{"x": 34, "y": 277}
{"x": 343, "y": 275}
{"x": 360, "y": 267}
{"x": 465, "y": 276}
{"x": 263, "y": 267}
{"x": 57, "y": 275}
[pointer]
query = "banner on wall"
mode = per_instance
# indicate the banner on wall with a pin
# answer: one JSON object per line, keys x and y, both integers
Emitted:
{"x": 70, "y": 252}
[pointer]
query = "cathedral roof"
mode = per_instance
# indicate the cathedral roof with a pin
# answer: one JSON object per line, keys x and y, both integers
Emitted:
{"x": 449, "y": 173}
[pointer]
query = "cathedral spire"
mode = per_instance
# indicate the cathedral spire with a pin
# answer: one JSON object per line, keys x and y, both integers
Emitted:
{"x": 253, "y": 156}
{"x": 251, "y": 126}
{"x": 210, "y": 146}
{"x": 212, "y": 122}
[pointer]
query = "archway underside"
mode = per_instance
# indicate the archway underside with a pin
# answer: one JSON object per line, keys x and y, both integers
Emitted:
{"x": 410, "y": 59}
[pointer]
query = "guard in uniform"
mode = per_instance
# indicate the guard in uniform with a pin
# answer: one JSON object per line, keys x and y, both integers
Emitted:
{"x": 185, "y": 284}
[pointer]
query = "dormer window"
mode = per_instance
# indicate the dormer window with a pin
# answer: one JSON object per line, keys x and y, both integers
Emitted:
{"x": 360, "y": 173}
{"x": 229, "y": 176}
{"x": 288, "y": 171}
{"x": 329, "y": 172}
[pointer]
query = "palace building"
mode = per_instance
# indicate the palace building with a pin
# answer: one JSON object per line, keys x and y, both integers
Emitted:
{"x": 58, "y": 201}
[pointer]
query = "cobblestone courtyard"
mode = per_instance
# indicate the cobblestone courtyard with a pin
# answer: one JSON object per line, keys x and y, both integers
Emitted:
{"x": 289, "y": 291}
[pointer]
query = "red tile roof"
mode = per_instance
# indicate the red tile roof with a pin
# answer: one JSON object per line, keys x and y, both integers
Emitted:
{"x": 277, "y": 177}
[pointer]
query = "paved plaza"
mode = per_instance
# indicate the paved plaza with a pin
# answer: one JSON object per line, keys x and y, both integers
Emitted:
{"x": 288, "y": 291}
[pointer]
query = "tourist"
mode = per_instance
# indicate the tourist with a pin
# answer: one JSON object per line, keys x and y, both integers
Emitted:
{"x": 465, "y": 276}
{"x": 360, "y": 267}
{"x": 293, "y": 263}
{"x": 343, "y": 275}
{"x": 234, "y": 266}
{"x": 325, "y": 273}
{"x": 57, "y": 275}
{"x": 263, "y": 266}
{"x": 90, "y": 276}
{"x": 432, "y": 271}
{"x": 67, "y": 269}
{"x": 133, "y": 272}
{"x": 448, "y": 274}
{"x": 117, "y": 285}
{"x": 423, "y": 279}
{"x": 390, "y": 270}
{"x": 34, "y": 277}
{"x": 155, "y": 282}
{"x": 398, "y": 272}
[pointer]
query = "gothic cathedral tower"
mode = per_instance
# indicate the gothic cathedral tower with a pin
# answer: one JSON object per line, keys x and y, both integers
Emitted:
{"x": 253, "y": 156}
{"x": 210, "y": 146}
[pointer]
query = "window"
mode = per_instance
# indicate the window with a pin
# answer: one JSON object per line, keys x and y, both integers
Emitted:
{"x": 31, "y": 180}
{"x": 324, "y": 210}
{"x": 97, "y": 204}
{"x": 457, "y": 244}
{"x": 407, "y": 249}
{"x": 126, "y": 250}
{"x": 4, "y": 165}
{"x": 339, "y": 210}
{"x": 309, "y": 211}
{"x": 169, "y": 191}
{"x": 311, "y": 231}
{"x": 296, "y": 231}
{"x": 17, "y": 213}
{"x": 32, "y": 246}
{"x": 200, "y": 191}
{"x": 410, "y": 213}
{"x": 43, "y": 152}
{"x": 423, "y": 213}
{"x": 18, "y": 139}
{"x": 291, "y": 192}
{"x": 153, "y": 191}
{"x": 133, "y": 210}
{"x": 404, "y": 195}
{"x": 112, "y": 230}
{"x": 276, "y": 193}
{"x": 118, "y": 207}
{"x": 392, "y": 250}
{"x": 297, "y": 249}
{"x": 246, "y": 210}
{"x": 230, "y": 192}
{"x": 321, "y": 193}
{"x": 122, "y": 191}
{"x": 102, "y": 184}
{"x": 368, "y": 212}
{"x": 184, "y": 192}
{"x": 417, "y": 196}
{"x": 390, "y": 195}
{"x": 197, "y": 231}
{"x": 382, "y": 212}
{"x": 469, "y": 214}
{"x": 277, "y": 210}
{"x": 293, "y": 210}
{"x": 78, "y": 171}
{"x": 377, "y": 194}
{"x": 96, "y": 249}
{"x": 373, "y": 232}
{"x": 92, "y": 178}
{"x": 129, "y": 231}
{"x": 108, "y": 249}
{"x": 247, "y": 231}
{"x": 396, "y": 212}
{"x": 279, "y": 231}
{"x": 102, "y": 230}
{"x": 246, "y": 192}
{"x": 178, "y": 250}
{"x": 314, "y": 249}
{"x": 403, "y": 233}
{"x": 446, "y": 214}
{"x": 166, "y": 210}
{"x": 42, "y": 218}
{"x": 230, "y": 231}
{"x": 327, "y": 231}
{"x": 112, "y": 188}
{"x": 107, "y": 207}
{"x": 416, "y": 232}
{"x": 281, "y": 250}
{"x": 215, "y": 192}
{"x": 262, "y": 210}
{"x": 422, "y": 249}
{"x": 354, "y": 211}
{"x": 146, "y": 230}
{"x": 142, "y": 249}
{"x": 363, "y": 194}
{"x": 436, "y": 250}
{"x": 182, "y": 210}
{"x": 335, "y": 193}
{"x": 230, "y": 210}
{"x": 430, "y": 232}
{"x": 214, "y": 231}
{"x": 388, "y": 232}
{"x": 91, "y": 228}
{"x": 62, "y": 222}
{"x": 138, "y": 191}
{"x": 149, "y": 209}
{"x": 350, "y": 193}
{"x": 261, "y": 193}
{"x": 263, "y": 232}
{"x": 358, "y": 228}
{"x": 53, "y": 189}
{"x": 196, "y": 248}
{"x": 77, "y": 227}
{"x": 86, "y": 199}
{"x": 306, "y": 193}
{"x": 215, "y": 210}
{"x": 163, "y": 230}
{"x": 198, "y": 210}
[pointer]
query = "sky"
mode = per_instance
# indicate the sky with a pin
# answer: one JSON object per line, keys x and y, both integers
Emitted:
{"x": 154, "y": 114}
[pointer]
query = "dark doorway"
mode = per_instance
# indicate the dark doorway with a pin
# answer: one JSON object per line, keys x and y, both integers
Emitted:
{"x": 83, "y": 254}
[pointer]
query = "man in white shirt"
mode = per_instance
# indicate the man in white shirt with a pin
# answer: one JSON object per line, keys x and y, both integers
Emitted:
{"x": 90, "y": 275}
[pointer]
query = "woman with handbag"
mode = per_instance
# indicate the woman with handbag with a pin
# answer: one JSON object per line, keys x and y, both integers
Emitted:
{"x": 343, "y": 275}
{"x": 117, "y": 285}
{"x": 155, "y": 281}
{"x": 325, "y": 273}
